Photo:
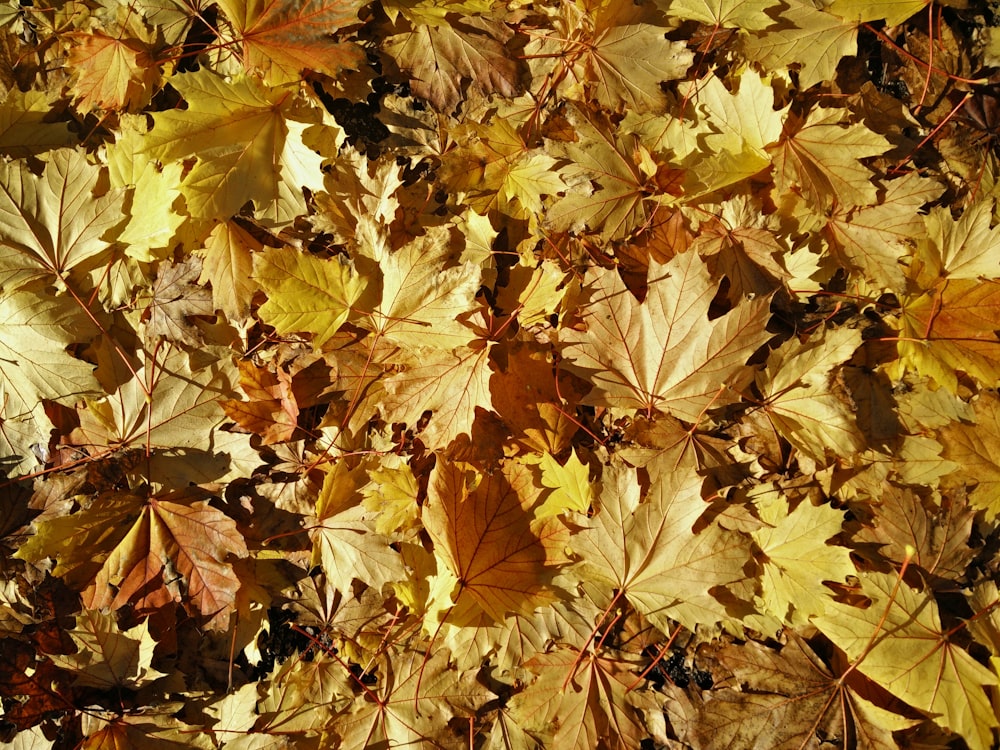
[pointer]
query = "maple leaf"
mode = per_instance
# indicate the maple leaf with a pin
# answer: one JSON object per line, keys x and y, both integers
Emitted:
{"x": 800, "y": 399}
{"x": 177, "y": 540}
{"x": 803, "y": 37}
{"x": 741, "y": 247}
{"x": 972, "y": 445}
{"x": 248, "y": 138}
{"x": 498, "y": 171}
{"x": 78, "y": 541}
{"x": 894, "y": 12}
{"x": 303, "y": 696}
{"x": 30, "y": 686}
{"x": 788, "y": 700}
{"x": 361, "y": 201}
{"x": 283, "y": 39}
{"x": 410, "y": 703}
{"x": 947, "y": 320}
{"x": 533, "y": 294}
{"x": 876, "y": 239}
{"x": 433, "y": 12}
{"x": 728, "y": 139}
{"x": 14, "y": 610}
{"x": 618, "y": 206}
{"x": 170, "y": 400}
{"x": 497, "y": 558}
{"x": 665, "y": 445}
{"x": 449, "y": 384}
{"x": 646, "y": 548}
{"x": 749, "y": 15}
{"x": 528, "y": 397}
{"x": 344, "y": 539}
{"x": 227, "y": 265}
{"x": 36, "y": 328}
{"x": 819, "y": 157}
{"x": 951, "y": 327}
{"x": 963, "y": 248}
{"x": 53, "y": 223}
{"x": 597, "y": 708}
{"x": 797, "y": 556}
{"x": 441, "y": 57}
{"x": 425, "y": 291}
{"x": 899, "y": 643}
{"x": 236, "y": 712}
{"x": 270, "y": 408}
{"x": 623, "y": 65}
{"x": 106, "y": 656}
{"x": 392, "y": 494}
{"x": 935, "y": 530}
{"x": 306, "y": 293}
{"x": 134, "y": 550}
{"x": 175, "y": 298}
{"x": 663, "y": 354}
{"x": 23, "y": 125}
{"x": 112, "y": 72}
{"x": 155, "y": 727}
{"x": 570, "y": 485}
{"x": 156, "y": 206}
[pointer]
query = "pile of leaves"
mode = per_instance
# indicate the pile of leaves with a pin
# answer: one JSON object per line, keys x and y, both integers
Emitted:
{"x": 498, "y": 374}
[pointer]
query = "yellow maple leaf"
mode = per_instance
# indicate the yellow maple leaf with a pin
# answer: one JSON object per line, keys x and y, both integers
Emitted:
{"x": 625, "y": 178}
{"x": 797, "y": 556}
{"x": 228, "y": 254}
{"x": 623, "y": 65}
{"x": 728, "y": 138}
{"x": 570, "y": 485}
{"x": 499, "y": 172}
{"x": 800, "y": 399}
{"x": 877, "y": 239}
{"x": 345, "y": 542}
{"x": 952, "y": 327}
{"x": 449, "y": 384}
{"x": 595, "y": 709}
{"x": 306, "y": 293}
{"x": 805, "y": 38}
{"x": 52, "y": 223}
{"x": 898, "y": 642}
{"x": 442, "y": 58}
{"x": 820, "y": 158}
{"x": 23, "y": 125}
{"x": 893, "y": 12}
{"x": 749, "y": 15}
{"x": 39, "y": 370}
{"x": 108, "y": 657}
{"x": 663, "y": 354}
{"x": 425, "y": 292}
{"x": 249, "y": 140}
{"x": 646, "y": 549}
{"x": 973, "y": 445}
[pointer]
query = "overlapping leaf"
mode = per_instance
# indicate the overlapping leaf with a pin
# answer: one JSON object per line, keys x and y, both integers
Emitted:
{"x": 663, "y": 354}
{"x": 646, "y": 549}
{"x": 282, "y": 39}
{"x": 498, "y": 557}
{"x": 599, "y": 354}
{"x": 899, "y": 642}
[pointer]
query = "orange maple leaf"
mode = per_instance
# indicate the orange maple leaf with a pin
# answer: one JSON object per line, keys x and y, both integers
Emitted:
{"x": 112, "y": 73}
{"x": 484, "y": 533}
{"x": 174, "y": 541}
